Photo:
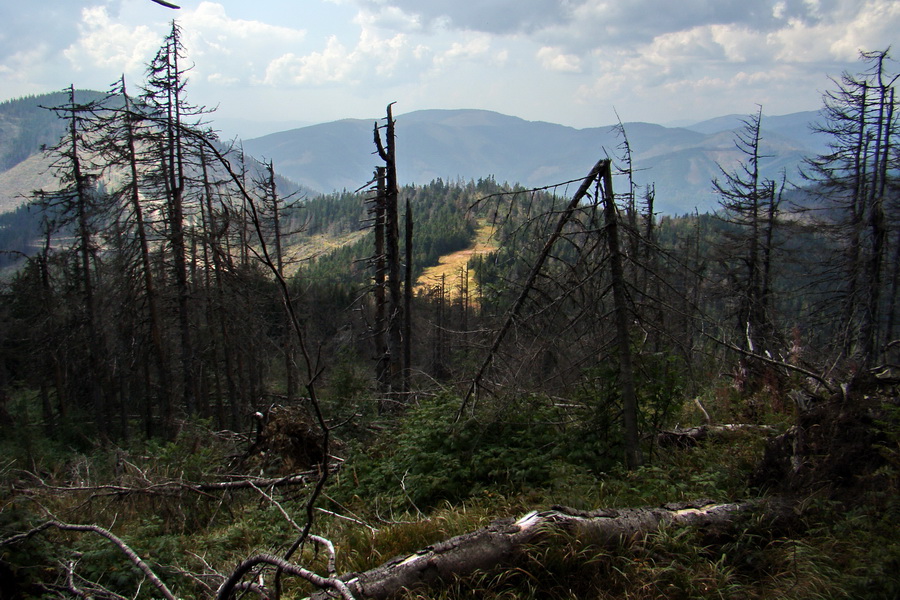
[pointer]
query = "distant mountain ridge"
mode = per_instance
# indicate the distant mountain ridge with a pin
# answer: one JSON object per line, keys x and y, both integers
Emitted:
{"x": 470, "y": 144}
{"x": 465, "y": 145}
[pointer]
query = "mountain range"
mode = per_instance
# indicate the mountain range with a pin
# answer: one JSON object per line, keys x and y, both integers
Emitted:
{"x": 468, "y": 144}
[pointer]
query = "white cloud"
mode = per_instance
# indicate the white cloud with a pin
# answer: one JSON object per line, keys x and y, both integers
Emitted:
{"x": 389, "y": 18}
{"x": 332, "y": 64}
{"x": 23, "y": 64}
{"x": 522, "y": 57}
{"x": 874, "y": 27}
{"x": 373, "y": 56}
{"x": 554, "y": 59}
{"x": 209, "y": 23}
{"x": 105, "y": 44}
{"x": 475, "y": 47}
{"x": 486, "y": 16}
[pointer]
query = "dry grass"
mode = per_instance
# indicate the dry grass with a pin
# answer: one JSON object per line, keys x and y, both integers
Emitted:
{"x": 451, "y": 266}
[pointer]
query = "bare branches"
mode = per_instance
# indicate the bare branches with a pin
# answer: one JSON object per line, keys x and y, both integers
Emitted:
{"x": 326, "y": 583}
{"x": 168, "y": 488}
{"x": 129, "y": 553}
{"x": 538, "y": 265}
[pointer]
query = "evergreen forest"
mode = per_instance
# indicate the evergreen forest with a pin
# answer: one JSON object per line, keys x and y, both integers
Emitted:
{"x": 214, "y": 384}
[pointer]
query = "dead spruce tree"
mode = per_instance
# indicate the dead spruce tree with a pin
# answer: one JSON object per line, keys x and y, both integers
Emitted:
{"x": 856, "y": 179}
{"x": 564, "y": 292}
{"x": 750, "y": 207}
{"x": 79, "y": 206}
{"x": 388, "y": 199}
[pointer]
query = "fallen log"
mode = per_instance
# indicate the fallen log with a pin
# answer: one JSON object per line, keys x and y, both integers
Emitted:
{"x": 503, "y": 541}
{"x": 686, "y": 437}
{"x": 175, "y": 487}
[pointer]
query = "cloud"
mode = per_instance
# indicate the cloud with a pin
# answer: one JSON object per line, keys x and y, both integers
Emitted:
{"x": 389, "y": 18}
{"x": 32, "y": 38}
{"x": 372, "y": 58}
{"x": 210, "y": 24}
{"x": 554, "y": 59}
{"x": 487, "y": 16}
{"x": 49, "y": 21}
{"x": 530, "y": 58}
{"x": 332, "y": 64}
{"x": 230, "y": 51}
{"x": 470, "y": 49}
{"x": 114, "y": 47}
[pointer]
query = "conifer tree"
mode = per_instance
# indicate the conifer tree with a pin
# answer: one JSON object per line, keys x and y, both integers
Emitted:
{"x": 856, "y": 178}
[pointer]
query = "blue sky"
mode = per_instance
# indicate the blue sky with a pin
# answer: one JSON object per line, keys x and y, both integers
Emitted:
{"x": 575, "y": 62}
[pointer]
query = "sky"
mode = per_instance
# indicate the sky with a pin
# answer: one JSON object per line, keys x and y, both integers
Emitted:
{"x": 581, "y": 63}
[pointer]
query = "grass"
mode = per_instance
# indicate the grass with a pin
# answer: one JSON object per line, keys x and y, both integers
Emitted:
{"x": 451, "y": 266}
{"x": 829, "y": 551}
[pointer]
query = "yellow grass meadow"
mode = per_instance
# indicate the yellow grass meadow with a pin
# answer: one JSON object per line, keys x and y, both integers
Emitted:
{"x": 452, "y": 267}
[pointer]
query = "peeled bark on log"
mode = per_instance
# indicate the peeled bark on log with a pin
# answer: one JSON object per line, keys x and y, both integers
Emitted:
{"x": 501, "y": 542}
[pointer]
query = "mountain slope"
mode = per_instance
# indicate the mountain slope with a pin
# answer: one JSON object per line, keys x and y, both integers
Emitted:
{"x": 463, "y": 144}
{"x": 471, "y": 144}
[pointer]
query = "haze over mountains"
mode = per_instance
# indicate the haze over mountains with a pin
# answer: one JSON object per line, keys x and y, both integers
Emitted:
{"x": 473, "y": 144}
{"x": 469, "y": 144}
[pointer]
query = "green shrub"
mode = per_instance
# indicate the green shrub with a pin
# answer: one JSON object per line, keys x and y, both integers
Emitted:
{"x": 429, "y": 456}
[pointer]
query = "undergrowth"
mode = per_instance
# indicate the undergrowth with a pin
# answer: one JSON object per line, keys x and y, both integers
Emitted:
{"x": 432, "y": 478}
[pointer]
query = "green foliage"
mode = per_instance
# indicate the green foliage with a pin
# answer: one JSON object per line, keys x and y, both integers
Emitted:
{"x": 431, "y": 457}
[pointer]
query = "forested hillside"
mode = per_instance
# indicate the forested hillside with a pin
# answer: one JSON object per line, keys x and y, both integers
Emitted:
{"x": 213, "y": 385}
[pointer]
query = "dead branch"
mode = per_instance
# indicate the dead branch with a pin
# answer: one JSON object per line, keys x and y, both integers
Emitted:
{"x": 691, "y": 436}
{"x": 771, "y": 361}
{"x": 325, "y": 583}
{"x": 513, "y": 313}
{"x": 175, "y": 487}
{"x": 129, "y": 553}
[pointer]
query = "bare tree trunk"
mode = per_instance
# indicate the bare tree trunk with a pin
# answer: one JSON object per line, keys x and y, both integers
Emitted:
{"x": 633, "y": 457}
{"x": 504, "y": 541}
{"x": 381, "y": 351}
{"x": 407, "y": 302}
{"x": 159, "y": 353}
{"x": 513, "y": 312}
{"x": 387, "y": 152}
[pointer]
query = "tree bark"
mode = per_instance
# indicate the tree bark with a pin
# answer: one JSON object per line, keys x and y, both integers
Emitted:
{"x": 407, "y": 302}
{"x": 381, "y": 366}
{"x": 503, "y": 541}
{"x": 387, "y": 152}
{"x": 633, "y": 457}
{"x": 513, "y": 312}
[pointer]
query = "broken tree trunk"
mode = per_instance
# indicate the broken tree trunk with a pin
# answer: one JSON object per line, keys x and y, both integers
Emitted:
{"x": 387, "y": 152}
{"x": 503, "y": 541}
{"x": 631, "y": 435}
{"x": 536, "y": 268}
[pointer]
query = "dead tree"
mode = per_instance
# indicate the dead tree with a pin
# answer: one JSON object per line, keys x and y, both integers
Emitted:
{"x": 633, "y": 457}
{"x": 536, "y": 268}
{"x": 407, "y": 301}
{"x": 381, "y": 352}
{"x": 502, "y": 542}
{"x": 387, "y": 152}
{"x": 499, "y": 545}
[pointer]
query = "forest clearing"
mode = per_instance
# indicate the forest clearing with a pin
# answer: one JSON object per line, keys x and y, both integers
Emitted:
{"x": 452, "y": 269}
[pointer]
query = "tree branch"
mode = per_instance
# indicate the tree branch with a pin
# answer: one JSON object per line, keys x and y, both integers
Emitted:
{"x": 131, "y": 554}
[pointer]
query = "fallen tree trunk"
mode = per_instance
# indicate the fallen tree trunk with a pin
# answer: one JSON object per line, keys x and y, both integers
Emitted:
{"x": 177, "y": 488}
{"x": 503, "y": 541}
{"x": 685, "y": 437}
